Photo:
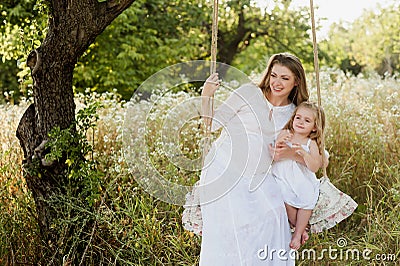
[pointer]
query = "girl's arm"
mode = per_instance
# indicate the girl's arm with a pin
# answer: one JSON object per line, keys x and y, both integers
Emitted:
{"x": 313, "y": 160}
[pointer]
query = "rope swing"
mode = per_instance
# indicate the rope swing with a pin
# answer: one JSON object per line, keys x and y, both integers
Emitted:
{"x": 323, "y": 217}
{"x": 213, "y": 69}
{"x": 214, "y": 38}
{"x": 316, "y": 69}
{"x": 332, "y": 206}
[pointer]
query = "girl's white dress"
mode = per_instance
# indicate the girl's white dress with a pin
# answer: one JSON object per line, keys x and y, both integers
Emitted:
{"x": 299, "y": 185}
{"x": 243, "y": 214}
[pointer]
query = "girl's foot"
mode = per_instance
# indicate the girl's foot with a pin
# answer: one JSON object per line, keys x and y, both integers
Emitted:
{"x": 304, "y": 237}
{"x": 295, "y": 242}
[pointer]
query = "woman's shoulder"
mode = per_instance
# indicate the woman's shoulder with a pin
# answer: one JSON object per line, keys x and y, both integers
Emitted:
{"x": 248, "y": 87}
{"x": 248, "y": 90}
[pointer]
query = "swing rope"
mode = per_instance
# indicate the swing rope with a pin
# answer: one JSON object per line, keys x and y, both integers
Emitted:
{"x": 214, "y": 38}
{"x": 316, "y": 69}
{"x": 213, "y": 69}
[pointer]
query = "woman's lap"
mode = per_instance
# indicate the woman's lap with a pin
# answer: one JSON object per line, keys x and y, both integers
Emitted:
{"x": 243, "y": 227}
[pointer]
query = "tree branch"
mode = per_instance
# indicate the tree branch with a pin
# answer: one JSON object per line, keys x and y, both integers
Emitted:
{"x": 113, "y": 8}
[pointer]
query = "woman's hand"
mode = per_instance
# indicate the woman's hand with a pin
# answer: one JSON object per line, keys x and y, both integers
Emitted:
{"x": 211, "y": 85}
{"x": 282, "y": 151}
{"x": 209, "y": 88}
{"x": 284, "y": 137}
{"x": 299, "y": 150}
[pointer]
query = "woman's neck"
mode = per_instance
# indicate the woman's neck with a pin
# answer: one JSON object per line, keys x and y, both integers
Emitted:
{"x": 277, "y": 101}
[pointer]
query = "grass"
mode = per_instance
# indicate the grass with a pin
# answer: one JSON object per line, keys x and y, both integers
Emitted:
{"x": 133, "y": 228}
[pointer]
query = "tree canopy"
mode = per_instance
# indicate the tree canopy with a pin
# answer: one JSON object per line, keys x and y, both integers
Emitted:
{"x": 370, "y": 43}
{"x": 153, "y": 34}
{"x": 144, "y": 39}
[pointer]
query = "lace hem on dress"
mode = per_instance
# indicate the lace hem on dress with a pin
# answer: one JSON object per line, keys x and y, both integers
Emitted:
{"x": 333, "y": 206}
{"x": 191, "y": 216}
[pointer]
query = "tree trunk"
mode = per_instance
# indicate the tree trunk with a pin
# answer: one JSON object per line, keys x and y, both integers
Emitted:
{"x": 73, "y": 26}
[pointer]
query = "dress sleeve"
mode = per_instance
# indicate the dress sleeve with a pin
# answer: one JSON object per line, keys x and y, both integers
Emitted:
{"x": 230, "y": 107}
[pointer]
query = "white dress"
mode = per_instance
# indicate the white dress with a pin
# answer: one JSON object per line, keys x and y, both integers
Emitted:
{"x": 243, "y": 214}
{"x": 299, "y": 185}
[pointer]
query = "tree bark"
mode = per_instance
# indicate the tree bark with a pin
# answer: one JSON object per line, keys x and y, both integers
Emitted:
{"x": 73, "y": 26}
{"x": 229, "y": 44}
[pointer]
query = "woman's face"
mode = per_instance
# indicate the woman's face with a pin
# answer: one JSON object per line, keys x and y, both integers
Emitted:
{"x": 281, "y": 82}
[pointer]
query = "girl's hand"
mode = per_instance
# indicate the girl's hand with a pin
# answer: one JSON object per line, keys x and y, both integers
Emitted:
{"x": 211, "y": 85}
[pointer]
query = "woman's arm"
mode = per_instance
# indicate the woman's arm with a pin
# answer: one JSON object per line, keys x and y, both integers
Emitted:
{"x": 229, "y": 108}
{"x": 284, "y": 136}
{"x": 282, "y": 151}
{"x": 209, "y": 88}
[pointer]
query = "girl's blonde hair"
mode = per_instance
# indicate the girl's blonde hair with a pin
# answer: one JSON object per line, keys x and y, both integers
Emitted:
{"x": 299, "y": 93}
{"x": 319, "y": 118}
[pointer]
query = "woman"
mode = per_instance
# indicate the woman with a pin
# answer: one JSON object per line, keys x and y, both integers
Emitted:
{"x": 244, "y": 217}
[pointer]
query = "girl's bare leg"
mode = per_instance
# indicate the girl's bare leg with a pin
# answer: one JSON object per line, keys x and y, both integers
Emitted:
{"x": 301, "y": 223}
{"x": 292, "y": 214}
{"x": 305, "y": 236}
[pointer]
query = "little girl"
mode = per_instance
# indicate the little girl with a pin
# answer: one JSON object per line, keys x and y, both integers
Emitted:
{"x": 298, "y": 182}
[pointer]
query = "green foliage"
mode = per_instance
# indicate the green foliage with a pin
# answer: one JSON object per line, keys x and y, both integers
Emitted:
{"x": 22, "y": 29}
{"x": 154, "y": 34}
{"x": 73, "y": 206}
{"x": 8, "y": 82}
{"x": 71, "y": 147}
{"x": 372, "y": 41}
{"x": 281, "y": 29}
{"x": 145, "y": 38}
{"x": 349, "y": 65}
{"x": 151, "y": 35}
{"x": 114, "y": 221}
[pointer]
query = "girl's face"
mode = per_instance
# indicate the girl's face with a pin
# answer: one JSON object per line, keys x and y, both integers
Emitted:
{"x": 304, "y": 121}
{"x": 281, "y": 82}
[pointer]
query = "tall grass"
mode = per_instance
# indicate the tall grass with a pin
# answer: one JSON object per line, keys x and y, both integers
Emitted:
{"x": 133, "y": 228}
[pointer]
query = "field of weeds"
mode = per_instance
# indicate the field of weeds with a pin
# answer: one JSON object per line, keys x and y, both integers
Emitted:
{"x": 133, "y": 228}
